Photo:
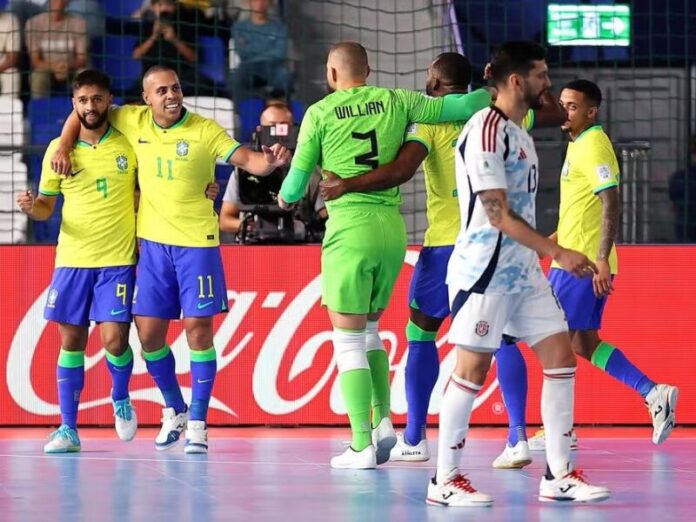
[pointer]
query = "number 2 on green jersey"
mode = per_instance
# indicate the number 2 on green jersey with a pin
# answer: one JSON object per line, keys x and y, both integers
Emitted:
{"x": 369, "y": 159}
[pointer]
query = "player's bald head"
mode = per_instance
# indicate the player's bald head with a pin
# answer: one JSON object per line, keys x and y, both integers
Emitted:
{"x": 349, "y": 59}
{"x": 449, "y": 72}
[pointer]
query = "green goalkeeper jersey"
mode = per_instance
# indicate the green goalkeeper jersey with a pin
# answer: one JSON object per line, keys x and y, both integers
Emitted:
{"x": 353, "y": 131}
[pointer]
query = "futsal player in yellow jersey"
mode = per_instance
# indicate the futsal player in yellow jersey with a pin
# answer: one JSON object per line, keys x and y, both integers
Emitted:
{"x": 588, "y": 222}
{"x": 95, "y": 259}
{"x": 433, "y": 146}
{"x": 180, "y": 268}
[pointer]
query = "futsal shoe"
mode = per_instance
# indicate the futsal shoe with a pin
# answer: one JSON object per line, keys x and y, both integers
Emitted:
{"x": 403, "y": 451}
{"x": 514, "y": 457}
{"x": 383, "y": 439}
{"x": 456, "y": 491}
{"x": 63, "y": 440}
{"x": 351, "y": 459}
{"x": 662, "y": 403}
{"x": 196, "y": 437}
{"x": 126, "y": 421}
{"x": 538, "y": 441}
{"x": 173, "y": 425}
{"x": 571, "y": 488}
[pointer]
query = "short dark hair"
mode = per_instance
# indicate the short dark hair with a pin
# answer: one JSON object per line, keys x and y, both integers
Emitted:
{"x": 91, "y": 77}
{"x": 515, "y": 57}
{"x": 157, "y": 68}
{"x": 592, "y": 92}
{"x": 454, "y": 69}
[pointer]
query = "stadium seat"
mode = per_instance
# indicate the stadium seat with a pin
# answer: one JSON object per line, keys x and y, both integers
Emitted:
{"x": 212, "y": 55}
{"x": 219, "y": 109}
{"x": 249, "y": 112}
{"x": 116, "y": 60}
{"x": 11, "y": 121}
{"x": 120, "y": 8}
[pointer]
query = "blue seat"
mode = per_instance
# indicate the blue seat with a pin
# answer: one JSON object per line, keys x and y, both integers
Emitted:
{"x": 298, "y": 110}
{"x": 120, "y": 8}
{"x": 249, "y": 112}
{"x": 212, "y": 56}
{"x": 116, "y": 60}
{"x": 46, "y": 118}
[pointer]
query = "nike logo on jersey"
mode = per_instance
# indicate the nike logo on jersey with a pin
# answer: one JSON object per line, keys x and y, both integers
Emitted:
{"x": 201, "y": 306}
{"x": 118, "y": 312}
{"x": 76, "y": 172}
{"x": 203, "y": 381}
{"x": 140, "y": 140}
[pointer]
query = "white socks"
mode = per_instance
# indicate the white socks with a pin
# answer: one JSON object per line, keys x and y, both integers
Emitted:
{"x": 455, "y": 412}
{"x": 557, "y": 402}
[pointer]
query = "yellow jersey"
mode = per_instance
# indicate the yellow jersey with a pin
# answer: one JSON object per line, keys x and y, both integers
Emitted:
{"x": 442, "y": 206}
{"x": 175, "y": 165}
{"x": 98, "y": 216}
{"x": 590, "y": 167}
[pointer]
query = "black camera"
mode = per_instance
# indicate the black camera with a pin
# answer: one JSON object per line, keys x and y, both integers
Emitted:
{"x": 263, "y": 220}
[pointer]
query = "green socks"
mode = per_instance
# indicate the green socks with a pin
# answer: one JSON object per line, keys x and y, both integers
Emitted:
{"x": 356, "y": 386}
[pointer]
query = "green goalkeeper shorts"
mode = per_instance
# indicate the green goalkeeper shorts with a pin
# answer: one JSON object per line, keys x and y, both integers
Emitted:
{"x": 362, "y": 254}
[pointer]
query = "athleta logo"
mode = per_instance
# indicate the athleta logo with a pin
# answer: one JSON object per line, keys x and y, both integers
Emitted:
{"x": 566, "y": 489}
{"x": 459, "y": 445}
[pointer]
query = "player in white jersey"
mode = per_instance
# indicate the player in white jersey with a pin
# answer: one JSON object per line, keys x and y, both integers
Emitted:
{"x": 496, "y": 285}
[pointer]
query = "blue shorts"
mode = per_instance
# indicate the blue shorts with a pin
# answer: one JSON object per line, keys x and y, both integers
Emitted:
{"x": 582, "y": 307}
{"x": 80, "y": 295}
{"x": 172, "y": 279}
{"x": 428, "y": 291}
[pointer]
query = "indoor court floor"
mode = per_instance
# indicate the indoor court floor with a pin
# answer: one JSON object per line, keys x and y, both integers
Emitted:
{"x": 263, "y": 474}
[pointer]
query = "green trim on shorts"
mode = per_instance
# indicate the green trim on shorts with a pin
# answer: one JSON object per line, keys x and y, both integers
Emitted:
{"x": 601, "y": 355}
{"x": 203, "y": 355}
{"x": 121, "y": 360}
{"x": 157, "y": 354}
{"x": 69, "y": 359}
{"x": 416, "y": 333}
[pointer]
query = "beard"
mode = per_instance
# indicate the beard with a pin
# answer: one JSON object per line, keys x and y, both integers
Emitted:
{"x": 535, "y": 102}
{"x": 98, "y": 123}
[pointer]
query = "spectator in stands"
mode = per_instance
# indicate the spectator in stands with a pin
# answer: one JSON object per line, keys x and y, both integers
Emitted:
{"x": 312, "y": 211}
{"x": 682, "y": 193}
{"x": 167, "y": 38}
{"x": 10, "y": 47}
{"x": 57, "y": 46}
{"x": 261, "y": 42}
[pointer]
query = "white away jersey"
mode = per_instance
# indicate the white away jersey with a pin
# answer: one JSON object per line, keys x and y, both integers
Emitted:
{"x": 494, "y": 153}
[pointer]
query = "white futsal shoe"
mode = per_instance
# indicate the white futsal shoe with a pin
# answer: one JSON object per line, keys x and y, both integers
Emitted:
{"x": 125, "y": 419}
{"x": 173, "y": 425}
{"x": 403, "y": 451}
{"x": 351, "y": 459}
{"x": 383, "y": 439}
{"x": 571, "y": 488}
{"x": 514, "y": 457}
{"x": 196, "y": 437}
{"x": 456, "y": 491}
{"x": 662, "y": 403}
{"x": 538, "y": 441}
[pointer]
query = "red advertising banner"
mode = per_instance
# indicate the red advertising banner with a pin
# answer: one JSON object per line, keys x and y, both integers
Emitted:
{"x": 274, "y": 346}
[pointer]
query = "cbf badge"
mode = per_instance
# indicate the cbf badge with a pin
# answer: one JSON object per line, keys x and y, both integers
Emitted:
{"x": 182, "y": 148}
{"x": 52, "y": 298}
{"x": 122, "y": 164}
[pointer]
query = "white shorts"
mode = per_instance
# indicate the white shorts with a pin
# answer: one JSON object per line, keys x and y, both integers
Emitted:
{"x": 482, "y": 319}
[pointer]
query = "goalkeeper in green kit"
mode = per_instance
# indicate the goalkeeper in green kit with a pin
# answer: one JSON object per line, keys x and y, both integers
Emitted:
{"x": 353, "y": 130}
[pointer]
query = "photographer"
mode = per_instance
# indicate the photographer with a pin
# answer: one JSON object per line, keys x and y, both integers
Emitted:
{"x": 249, "y": 209}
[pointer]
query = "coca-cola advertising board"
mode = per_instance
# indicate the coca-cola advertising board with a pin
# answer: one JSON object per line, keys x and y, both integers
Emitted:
{"x": 275, "y": 361}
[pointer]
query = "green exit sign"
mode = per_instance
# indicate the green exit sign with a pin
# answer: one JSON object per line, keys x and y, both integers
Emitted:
{"x": 589, "y": 24}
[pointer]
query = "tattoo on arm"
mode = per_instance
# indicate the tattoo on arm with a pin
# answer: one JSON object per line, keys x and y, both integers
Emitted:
{"x": 493, "y": 204}
{"x": 611, "y": 210}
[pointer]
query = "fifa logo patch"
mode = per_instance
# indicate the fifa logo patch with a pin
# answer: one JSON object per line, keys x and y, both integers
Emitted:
{"x": 122, "y": 164}
{"x": 481, "y": 328}
{"x": 182, "y": 148}
{"x": 52, "y": 298}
